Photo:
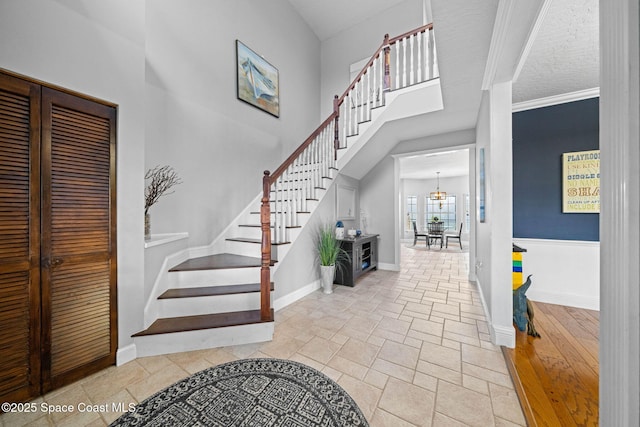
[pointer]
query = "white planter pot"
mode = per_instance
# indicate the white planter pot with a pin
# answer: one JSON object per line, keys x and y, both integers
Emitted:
{"x": 327, "y": 273}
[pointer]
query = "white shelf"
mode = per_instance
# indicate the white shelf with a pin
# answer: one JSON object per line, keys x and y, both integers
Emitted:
{"x": 162, "y": 239}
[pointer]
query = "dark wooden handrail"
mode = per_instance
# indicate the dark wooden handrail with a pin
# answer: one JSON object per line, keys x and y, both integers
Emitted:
{"x": 269, "y": 179}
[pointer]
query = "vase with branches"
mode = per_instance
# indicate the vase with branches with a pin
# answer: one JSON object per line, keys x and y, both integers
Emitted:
{"x": 162, "y": 179}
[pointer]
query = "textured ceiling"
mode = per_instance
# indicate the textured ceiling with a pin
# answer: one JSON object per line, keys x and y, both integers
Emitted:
{"x": 330, "y": 17}
{"x": 565, "y": 55}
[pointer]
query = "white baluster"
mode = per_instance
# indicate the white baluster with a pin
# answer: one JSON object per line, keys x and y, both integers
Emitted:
{"x": 374, "y": 79}
{"x": 362, "y": 95}
{"x": 381, "y": 77}
{"x": 427, "y": 56}
{"x": 276, "y": 215}
{"x": 357, "y": 117}
{"x": 436, "y": 69}
{"x": 419, "y": 57}
{"x": 354, "y": 99}
{"x": 325, "y": 153}
{"x": 318, "y": 143}
{"x": 411, "y": 75}
{"x": 397, "y": 70}
{"x": 287, "y": 182}
{"x": 369, "y": 93}
{"x": 347, "y": 113}
{"x": 283, "y": 203}
{"x": 305, "y": 183}
{"x": 313, "y": 169}
{"x": 404, "y": 62}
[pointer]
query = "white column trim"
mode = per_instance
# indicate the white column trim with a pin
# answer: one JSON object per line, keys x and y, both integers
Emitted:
{"x": 498, "y": 40}
{"x": 620, "y": 214}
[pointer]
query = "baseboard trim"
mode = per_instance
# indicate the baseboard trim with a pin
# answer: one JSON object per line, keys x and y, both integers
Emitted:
{"x": 388, "y": 267}
{"x": 503, "y": 335}
{"x": 126, "y": 354}
{"x": 294, "y": 296}
{"x": 569, "y": 300}
{"x": 500, "y": 335}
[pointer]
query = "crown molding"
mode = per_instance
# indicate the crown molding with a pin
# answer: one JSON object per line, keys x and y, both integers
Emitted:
{"x": 556, "y": 99}
{"x": 498, "y": 39}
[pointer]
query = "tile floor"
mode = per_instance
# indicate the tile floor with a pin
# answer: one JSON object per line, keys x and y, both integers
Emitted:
{"x": 411, "y": 347}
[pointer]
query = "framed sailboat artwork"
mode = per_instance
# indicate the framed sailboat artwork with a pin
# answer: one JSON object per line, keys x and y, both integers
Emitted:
{"x": 257, "y": 82}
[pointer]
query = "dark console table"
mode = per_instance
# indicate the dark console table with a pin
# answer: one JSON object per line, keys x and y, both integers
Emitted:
{"x": 363, "y": 253}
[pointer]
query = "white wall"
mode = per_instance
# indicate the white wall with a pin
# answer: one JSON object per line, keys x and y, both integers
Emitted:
{"x": 377, "y": 199}
{"x": 170, "y": 67}
{"x": 564, "y": 272}
{"x": 454, "y": 186}
{"x": 96, "y": 48}
{"x": 360, "y": 42}
{"x": 493, "y": 246}
{"x": 219, "y": 145}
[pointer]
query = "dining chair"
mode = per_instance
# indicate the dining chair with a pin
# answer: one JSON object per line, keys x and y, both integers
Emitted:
{"x": 417, "y": 235}
{"x": 453, "y": 236}
{"x": 435, "y": 231}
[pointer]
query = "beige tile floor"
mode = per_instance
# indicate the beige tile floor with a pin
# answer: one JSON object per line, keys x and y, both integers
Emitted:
{"x": 411, "y": 347}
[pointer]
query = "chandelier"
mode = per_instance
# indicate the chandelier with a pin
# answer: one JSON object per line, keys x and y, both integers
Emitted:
{"x": 438, "y": 195}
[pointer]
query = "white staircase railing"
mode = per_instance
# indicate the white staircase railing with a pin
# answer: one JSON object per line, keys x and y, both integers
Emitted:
{"x": 288, "y": 189}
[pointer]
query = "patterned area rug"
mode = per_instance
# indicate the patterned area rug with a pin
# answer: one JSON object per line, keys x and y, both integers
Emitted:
{"x": 249, "y": 392}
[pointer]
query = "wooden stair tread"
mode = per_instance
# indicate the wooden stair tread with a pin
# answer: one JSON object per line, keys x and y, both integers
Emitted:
{"x": 204, "y": 321}
{"x": 247, "y": 240}
{"x": 206, "y": 291}
{"x": 219, "y": 262}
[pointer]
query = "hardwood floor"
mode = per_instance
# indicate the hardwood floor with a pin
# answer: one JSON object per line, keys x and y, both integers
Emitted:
{"x": 556, "y": 376}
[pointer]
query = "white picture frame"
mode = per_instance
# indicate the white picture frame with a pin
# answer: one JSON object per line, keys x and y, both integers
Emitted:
{"x": 345, "y": 203}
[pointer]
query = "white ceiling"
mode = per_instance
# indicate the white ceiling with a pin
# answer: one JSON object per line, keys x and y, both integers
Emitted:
{"x": 426, "y": 166}
{"x": 563, "y": 58}
{"x": 330, "y": 17}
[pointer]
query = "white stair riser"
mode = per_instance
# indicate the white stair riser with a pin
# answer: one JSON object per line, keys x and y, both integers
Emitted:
{"x": 249, "y": 232}
{"x": 178, "y": 307}
{"x": 243, "y": 248}
{"x": 234, "y": 276}
{"x": 177, "y": 342}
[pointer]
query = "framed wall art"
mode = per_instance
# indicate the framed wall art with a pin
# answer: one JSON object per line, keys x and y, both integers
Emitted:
{"x": 581, "y": 182}
{"x": 345, "y": 203}
{"x": 257, "y": 80}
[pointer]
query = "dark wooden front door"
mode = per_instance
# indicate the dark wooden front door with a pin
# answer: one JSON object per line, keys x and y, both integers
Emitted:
{"x": 58, "y": 254}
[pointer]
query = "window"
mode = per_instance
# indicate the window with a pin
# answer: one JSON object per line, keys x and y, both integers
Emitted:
{"x": 412, "y": 212}
{"x": 445, "y": 210}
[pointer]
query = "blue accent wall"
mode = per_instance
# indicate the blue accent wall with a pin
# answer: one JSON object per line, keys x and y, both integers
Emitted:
{"x": 540, "y": 137}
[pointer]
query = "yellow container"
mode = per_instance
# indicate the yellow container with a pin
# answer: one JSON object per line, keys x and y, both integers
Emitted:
{"x": 517, "y": 270}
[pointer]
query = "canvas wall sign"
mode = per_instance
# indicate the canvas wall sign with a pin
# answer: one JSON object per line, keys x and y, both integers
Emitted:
{"x": 581, "y": 182}
{"x": 257, "y": 82}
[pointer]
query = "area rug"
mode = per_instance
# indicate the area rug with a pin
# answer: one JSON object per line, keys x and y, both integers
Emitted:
{"x": 249, "y": 392}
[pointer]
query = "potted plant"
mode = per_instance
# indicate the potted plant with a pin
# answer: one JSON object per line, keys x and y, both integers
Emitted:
{"x": 331, "y": 256}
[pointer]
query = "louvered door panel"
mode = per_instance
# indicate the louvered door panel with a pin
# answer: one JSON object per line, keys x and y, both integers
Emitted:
{"x": 19, "y": 239}
{"x": 79, "y": 232}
